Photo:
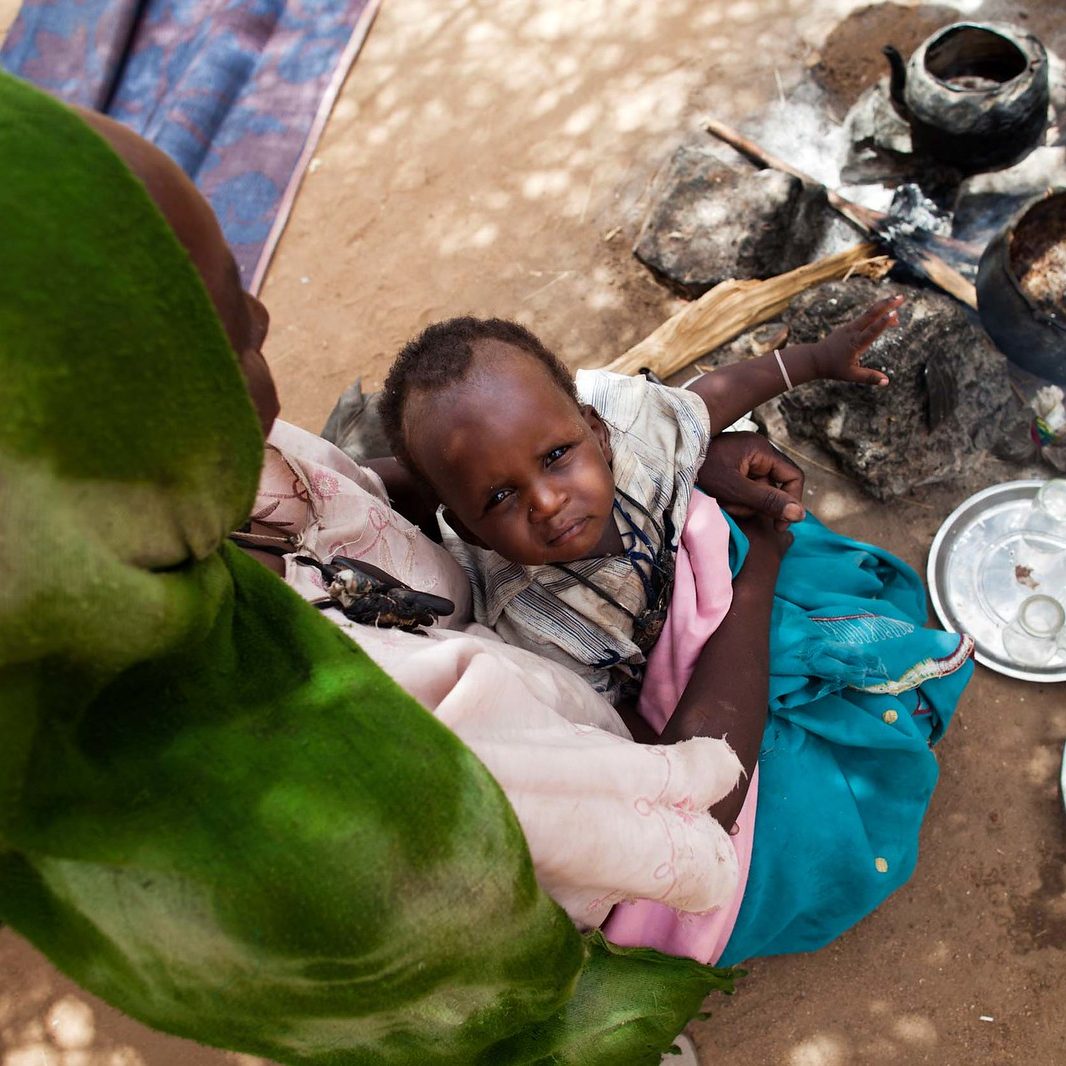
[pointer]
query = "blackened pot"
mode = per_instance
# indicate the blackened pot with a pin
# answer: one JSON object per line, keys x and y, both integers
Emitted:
{"x": 1031, "y": 337}
{"x": 975, "y": 95}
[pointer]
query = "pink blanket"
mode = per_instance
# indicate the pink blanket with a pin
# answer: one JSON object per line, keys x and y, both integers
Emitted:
{"x": 703, "y": 591}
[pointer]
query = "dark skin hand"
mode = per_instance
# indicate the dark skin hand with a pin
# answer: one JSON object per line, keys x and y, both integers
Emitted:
{"x": 728, "y": 692}
{"x": 732, "y": 391}
{"x": 747, "y": 475}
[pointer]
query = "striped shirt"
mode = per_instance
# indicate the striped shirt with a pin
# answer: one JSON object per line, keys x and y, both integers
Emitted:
{"x": 659, "y": 438}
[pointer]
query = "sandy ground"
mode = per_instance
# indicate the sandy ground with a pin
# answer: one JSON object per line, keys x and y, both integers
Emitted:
{"x": 494, "y": 157}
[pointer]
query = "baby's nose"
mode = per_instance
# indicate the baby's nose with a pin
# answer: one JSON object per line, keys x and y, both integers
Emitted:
{"x": 545, "y": 500}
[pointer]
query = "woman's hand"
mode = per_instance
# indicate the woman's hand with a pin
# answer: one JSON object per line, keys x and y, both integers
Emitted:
{"x": 727, "y": 694}
{"x": 747, "y": 475}
{"x": 836, "y": 358}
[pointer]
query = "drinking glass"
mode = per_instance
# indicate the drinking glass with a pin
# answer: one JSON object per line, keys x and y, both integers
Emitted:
{"x": 1047, "y": 514}
{"x": 1034, "y": 635}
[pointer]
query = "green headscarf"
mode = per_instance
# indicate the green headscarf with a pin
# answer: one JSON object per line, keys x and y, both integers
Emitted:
{"x": 215, "y": 811}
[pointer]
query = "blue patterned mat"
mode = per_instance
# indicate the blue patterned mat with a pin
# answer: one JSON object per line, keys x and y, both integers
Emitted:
{"x": 237, "y": 91}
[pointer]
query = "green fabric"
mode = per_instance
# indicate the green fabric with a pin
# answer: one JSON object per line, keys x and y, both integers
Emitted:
{"x": 215, "y": 811}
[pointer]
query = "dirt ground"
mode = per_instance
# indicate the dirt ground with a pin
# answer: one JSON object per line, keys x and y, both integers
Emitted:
{"x": 493, "y": 157}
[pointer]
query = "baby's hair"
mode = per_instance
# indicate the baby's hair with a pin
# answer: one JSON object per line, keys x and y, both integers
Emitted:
{"x": 441, "y": 355}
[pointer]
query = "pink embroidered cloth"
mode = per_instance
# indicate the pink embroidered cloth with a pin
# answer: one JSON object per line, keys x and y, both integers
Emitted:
{"x": 703, "y": 591}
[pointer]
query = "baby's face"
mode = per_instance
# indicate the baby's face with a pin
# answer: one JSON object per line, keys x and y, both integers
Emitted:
{"x": 521, "y": 466}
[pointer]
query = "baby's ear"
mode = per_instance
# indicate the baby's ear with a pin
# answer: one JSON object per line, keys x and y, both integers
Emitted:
{"x": 461, "y": 531}
{"x": 599, "y": 429}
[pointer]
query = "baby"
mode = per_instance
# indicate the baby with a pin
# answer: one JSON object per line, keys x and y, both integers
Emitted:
{"x": 574, "y": 509}
{"x": 564, "y": 501}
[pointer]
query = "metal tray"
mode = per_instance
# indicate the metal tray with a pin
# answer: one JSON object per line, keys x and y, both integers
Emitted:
{"x": 978, "y": 573}
{"x": 1062, "y": 777}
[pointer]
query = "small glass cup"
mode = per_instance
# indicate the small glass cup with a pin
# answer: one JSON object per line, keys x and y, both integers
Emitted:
{"x": 1047, "y": 514}
{"x": 1033, "y": 638}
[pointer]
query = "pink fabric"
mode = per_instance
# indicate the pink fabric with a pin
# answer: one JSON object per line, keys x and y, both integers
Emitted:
{"x": 703, "y": 592}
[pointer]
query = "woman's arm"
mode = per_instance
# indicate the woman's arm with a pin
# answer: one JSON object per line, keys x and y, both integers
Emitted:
{"x": 728, "y": 692}
{"x": 731, "y": 391}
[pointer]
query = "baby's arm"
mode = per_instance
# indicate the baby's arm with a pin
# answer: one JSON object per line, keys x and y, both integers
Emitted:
{"x": 732, "y": 391}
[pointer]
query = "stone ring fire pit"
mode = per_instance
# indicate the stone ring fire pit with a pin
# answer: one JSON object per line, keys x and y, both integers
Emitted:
{"x": 975, "y": 94}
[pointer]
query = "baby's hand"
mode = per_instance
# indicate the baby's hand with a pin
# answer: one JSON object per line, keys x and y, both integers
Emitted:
{"x": 837, "y": 356}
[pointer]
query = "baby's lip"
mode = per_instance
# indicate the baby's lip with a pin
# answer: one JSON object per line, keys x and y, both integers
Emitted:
{"x": 567, "y": 531}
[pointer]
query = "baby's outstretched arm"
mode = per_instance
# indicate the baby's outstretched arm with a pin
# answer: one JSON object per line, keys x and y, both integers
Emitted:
{"x": 732, "y": 391}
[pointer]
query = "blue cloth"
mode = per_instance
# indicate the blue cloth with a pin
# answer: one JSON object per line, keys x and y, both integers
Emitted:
{"x": 859, "y": 691}
{"x": 230, "y": 90}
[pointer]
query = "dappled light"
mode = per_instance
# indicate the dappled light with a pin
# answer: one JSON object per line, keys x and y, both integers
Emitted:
{"x": 45, "y": 1020}
{"x": 514, "y": 121}
{"x": 915, "y": 1029}
{"x": 833, "y": 505}
{"x": 1042, "y": 765}
{"x": 820, "y": 1050}
{"x": 939, "y": 953}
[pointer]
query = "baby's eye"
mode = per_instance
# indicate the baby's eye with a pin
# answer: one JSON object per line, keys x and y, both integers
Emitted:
{"x": 556, "y": 454}
{"x": 497, "y": 498}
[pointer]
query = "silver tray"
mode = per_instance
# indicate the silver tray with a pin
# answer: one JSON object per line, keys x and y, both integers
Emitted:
{"x": 1062, "y": 777}
{"x": 982, "y": 565}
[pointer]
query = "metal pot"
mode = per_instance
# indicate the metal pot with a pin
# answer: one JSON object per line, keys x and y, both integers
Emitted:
{"x": 975, "y": 95}
{"x": 1029, "y": 335}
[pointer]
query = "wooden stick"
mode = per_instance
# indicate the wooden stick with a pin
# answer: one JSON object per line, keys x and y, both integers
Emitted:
{"x": 931, "y": 266}
{"x": 734, "y": 306}
{"x": 921, "y": 259}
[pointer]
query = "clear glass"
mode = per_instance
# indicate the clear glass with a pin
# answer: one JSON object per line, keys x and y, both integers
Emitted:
{"x": 1032, "y": 639}
{"x": 1048, "y": 511}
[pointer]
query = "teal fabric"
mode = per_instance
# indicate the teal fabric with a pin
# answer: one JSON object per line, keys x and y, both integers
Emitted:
{"x": 216, "y": 812}
{"x": 839, "y": 787}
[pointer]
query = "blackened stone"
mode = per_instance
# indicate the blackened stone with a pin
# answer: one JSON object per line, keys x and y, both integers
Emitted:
{"x": 879, "y": 141}
{"x": 710, "y": 222}
{"x": 883, "y": 436}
